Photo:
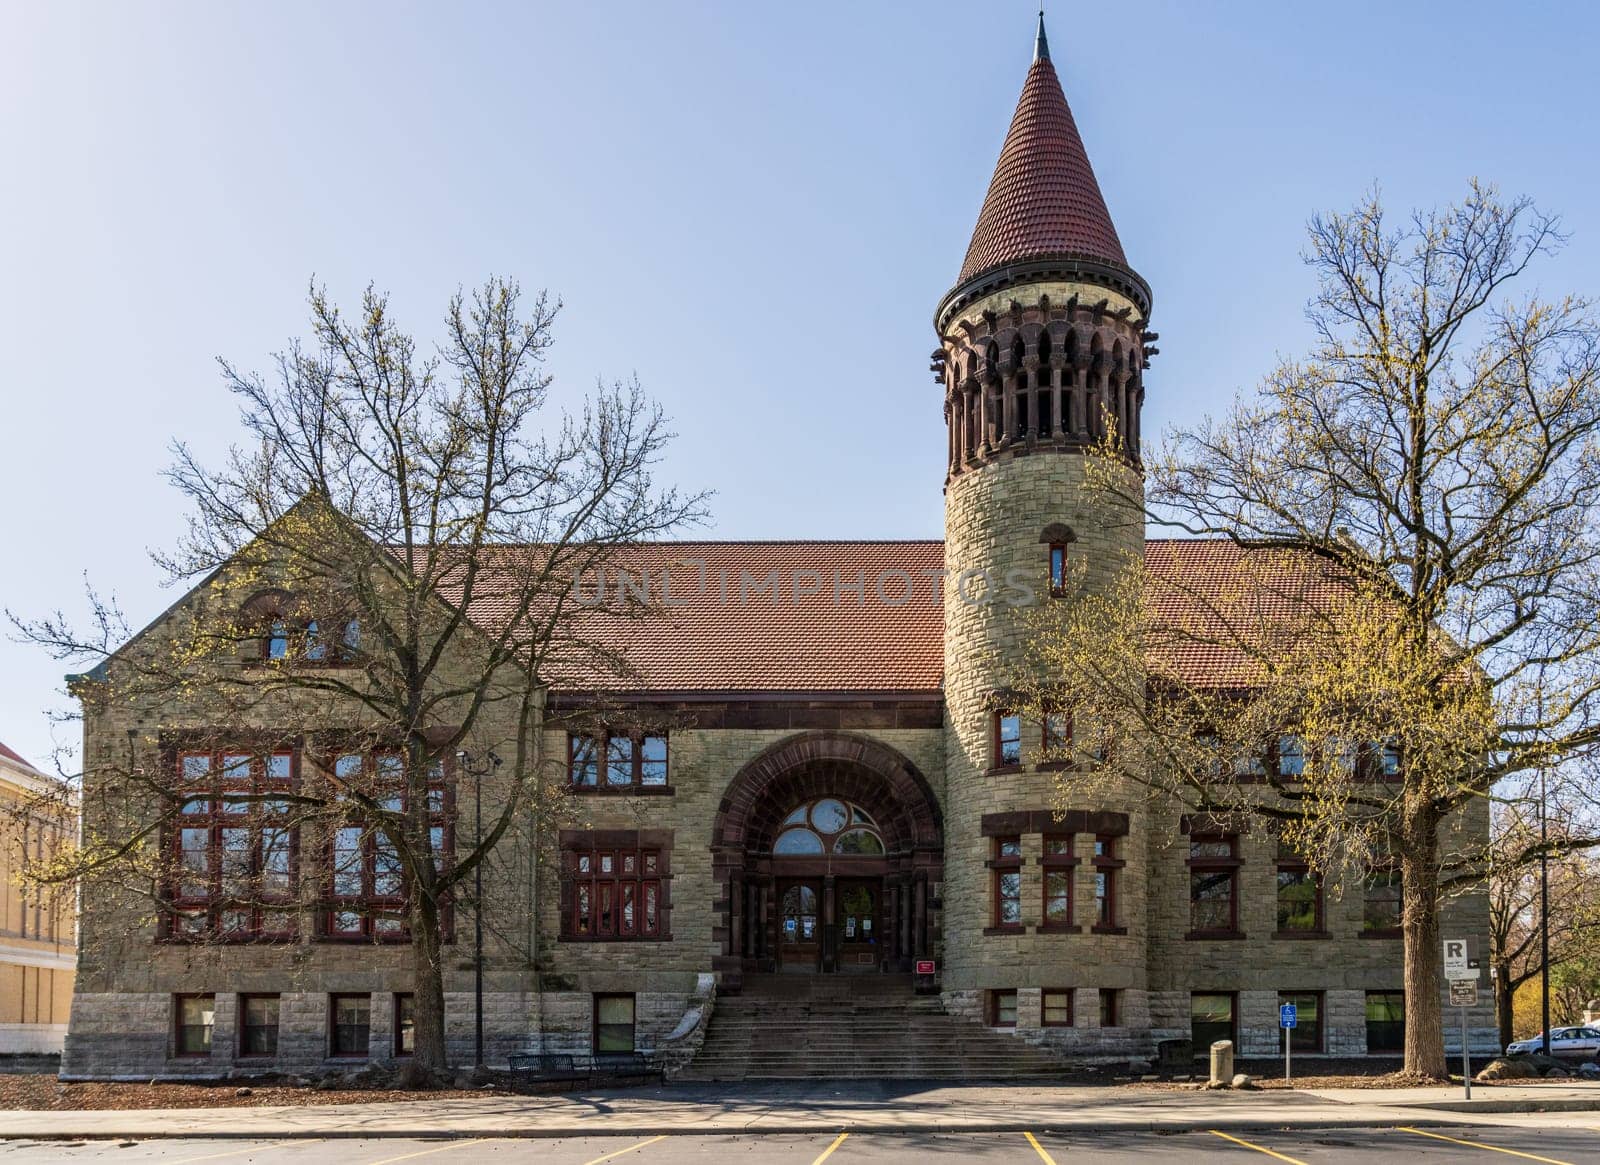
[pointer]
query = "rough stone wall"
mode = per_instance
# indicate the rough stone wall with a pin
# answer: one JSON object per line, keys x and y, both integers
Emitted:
{"x": 1344, "y": 965}
{"x": 702, "y": 765}
{"x": 993, "y": 520}
{"x": 538, "y": 989}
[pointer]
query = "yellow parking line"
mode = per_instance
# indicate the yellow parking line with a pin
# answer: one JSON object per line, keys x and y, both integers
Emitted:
{"x": 1257, "y": 1148}
{"x": 427, "y": 1152}
{"x": 1039, "y": 1149}
{"x": 232, "y": 1152}
{"x": 609, "y": 1156}
{"x": 828, "y": 1152}
{"x": 1481, "y": 1145}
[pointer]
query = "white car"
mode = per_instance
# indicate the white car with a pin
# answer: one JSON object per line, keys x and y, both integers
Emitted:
{"x": 1583, "y": 1042}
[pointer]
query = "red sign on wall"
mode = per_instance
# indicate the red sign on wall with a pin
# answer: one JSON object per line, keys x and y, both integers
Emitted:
{"x": 925, "y": 966}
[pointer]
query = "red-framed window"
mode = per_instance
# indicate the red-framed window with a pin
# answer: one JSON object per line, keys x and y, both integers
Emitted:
{"x": 1381, "y": 902}
{"x": 617, "y": 760}
{"x": 1307, "y": 1030}
{"x": 1006, "y": 872}
{"x": 1056, "y": 734}
{"x": 1002, "y": 1008}
{"x": 349, "y": 1025}
{"x": 366, "y": 890}
{"x": 194, "y": 1020}
{"x": 1007, "y": 740}
{"x": 1212, "y": 1016}
{"x": 1058, "y": 569}
{"x": 616, "y": 893}
{"x": 1213, "y": 885}
{"x": 1386, "y": 1021}
{"x": 233, "y": 846}
{"x": 1219, "y": 759}
{"x": 1055, "y": 1007}
{"x": 1110, "y": 1007}
{"x": 1300, "y": 903}
{"x": 258, "y": 1026}
{"x": 1060, "y": 867}
{"x": 1107, "y": 866}
{"x": 405, "y": 1024}
{"x": 1289, "y": 756}
{"x": 613, "y": 1028}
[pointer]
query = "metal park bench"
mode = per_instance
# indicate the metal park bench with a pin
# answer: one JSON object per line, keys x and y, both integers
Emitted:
{"x": 622, "y": 1064}
{"x": 546, "y": 1066}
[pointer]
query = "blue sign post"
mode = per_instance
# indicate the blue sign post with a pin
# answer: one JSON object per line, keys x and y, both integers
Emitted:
{"x": 1286, "y": 1020}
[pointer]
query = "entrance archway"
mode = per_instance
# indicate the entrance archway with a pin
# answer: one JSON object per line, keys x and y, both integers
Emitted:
{"x": 827, "y": 850}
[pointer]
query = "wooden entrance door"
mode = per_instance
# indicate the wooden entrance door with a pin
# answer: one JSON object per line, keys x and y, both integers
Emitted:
{"x": 860, "y": 925}
{"x": 799, "y": 924}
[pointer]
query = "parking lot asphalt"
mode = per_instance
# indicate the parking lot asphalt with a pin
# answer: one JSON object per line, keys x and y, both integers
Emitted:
{"x": 1557, "y": 1146}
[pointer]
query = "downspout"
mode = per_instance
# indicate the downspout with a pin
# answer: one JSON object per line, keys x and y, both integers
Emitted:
{"x": 533, "y": 865}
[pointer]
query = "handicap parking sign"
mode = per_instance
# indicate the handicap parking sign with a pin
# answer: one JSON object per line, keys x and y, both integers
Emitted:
{"x": 1286, "y": 1015}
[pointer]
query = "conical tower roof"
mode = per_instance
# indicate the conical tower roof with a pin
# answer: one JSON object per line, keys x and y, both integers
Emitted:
{"x": 1043, "y": 199}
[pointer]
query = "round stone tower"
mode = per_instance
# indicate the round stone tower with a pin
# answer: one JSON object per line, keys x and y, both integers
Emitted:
{"x": 1043, "y": 344}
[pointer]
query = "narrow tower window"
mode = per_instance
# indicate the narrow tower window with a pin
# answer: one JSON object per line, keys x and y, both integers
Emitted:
{"x": 1058, "y": 569}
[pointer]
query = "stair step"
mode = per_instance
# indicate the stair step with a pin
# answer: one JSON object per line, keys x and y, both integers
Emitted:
{"x": 809, "y": 1027}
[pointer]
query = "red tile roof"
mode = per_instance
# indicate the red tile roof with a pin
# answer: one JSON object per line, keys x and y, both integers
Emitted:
{"x": 10, "y": 755}
{"x": 1043, "y": 199}
{"x": 732, "y": 634}
{"x": 1206, "y": 594}
{"x": 726, "y": 632}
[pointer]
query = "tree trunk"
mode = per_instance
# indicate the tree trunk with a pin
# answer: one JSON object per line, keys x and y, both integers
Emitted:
{"x": 1420, "y": 922}
{"x": 428, "y": 971}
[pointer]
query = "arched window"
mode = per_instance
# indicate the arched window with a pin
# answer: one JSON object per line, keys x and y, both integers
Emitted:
{"x": 829, "y": 825}
{"x": 266, "y": 614}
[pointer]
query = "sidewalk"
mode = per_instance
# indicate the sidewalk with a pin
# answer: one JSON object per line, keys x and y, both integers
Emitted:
{"x": 820, "y": 1107}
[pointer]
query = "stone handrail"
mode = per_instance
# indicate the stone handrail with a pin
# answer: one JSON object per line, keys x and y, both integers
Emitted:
{"x": 678, "y": 1050}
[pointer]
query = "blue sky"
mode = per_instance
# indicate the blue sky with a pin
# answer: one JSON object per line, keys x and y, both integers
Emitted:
{"x": 754, "y": 207}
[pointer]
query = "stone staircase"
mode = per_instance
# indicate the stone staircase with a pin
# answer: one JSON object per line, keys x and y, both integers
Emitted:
{"x": 798, "y": 1027}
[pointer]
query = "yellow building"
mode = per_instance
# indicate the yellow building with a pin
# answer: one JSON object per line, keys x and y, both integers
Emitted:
{"x": 37, "y": 935}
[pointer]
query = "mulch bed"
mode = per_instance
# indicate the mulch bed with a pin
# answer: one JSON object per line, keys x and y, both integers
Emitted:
{"x": 46, "y": 1092}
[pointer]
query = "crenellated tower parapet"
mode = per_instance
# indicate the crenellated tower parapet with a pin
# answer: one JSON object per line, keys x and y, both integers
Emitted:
{"x": 1048, "y": 365}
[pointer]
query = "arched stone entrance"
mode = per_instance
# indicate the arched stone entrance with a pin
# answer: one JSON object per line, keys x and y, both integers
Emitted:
{"x": 857, "y": 892}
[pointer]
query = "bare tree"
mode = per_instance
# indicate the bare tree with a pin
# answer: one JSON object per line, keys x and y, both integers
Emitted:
{"x": 388, "y": 569}
{"x": 1516, "y": 913}
{"x": 1413, "y": 613}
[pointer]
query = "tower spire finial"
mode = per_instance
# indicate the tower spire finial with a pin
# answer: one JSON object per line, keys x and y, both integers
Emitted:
{"x": 1041, "y": 46}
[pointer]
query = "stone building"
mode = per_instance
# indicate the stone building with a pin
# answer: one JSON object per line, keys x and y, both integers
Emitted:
{"x": 814, "y": 781}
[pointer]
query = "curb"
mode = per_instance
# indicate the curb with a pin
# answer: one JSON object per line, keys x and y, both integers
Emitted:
{"x": 1494, "y": 1106}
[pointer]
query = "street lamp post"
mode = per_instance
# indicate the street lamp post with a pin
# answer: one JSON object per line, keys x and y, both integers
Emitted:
{"x": 1544, "y": 914}
{"x": 478, "y": 772}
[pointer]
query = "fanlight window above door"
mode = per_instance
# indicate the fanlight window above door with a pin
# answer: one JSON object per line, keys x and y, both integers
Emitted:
{"x": 829, "y": 826}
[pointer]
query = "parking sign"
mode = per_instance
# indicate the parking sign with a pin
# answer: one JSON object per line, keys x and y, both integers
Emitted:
{"x": 1457, "y": 962}
{"x": 1286, "y": 1015}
